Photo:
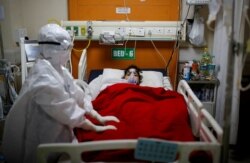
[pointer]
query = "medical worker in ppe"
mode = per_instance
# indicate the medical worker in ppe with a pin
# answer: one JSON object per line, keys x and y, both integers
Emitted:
{"x": 50, "y": 104}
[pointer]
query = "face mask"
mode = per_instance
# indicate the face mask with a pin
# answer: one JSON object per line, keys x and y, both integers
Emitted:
{"x": 64, "y": 57}
{"x": 132, "y": 80}
{"x": 54, "y": 55}
{"x": 131, "y": 77}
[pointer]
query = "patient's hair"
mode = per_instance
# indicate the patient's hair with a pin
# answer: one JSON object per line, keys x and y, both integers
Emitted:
{"x": 138, "y": 70}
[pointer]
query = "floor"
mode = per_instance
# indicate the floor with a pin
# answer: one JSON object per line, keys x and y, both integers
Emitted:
{"x": 241, "y": 160}
{"x": 243, "y": 135}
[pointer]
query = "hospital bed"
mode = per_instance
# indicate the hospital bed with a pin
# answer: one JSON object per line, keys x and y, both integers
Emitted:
{"x": 199, "y": 141}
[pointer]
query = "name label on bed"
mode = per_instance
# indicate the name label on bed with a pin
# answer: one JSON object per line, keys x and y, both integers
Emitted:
{"x": 123, "y": 53}
{"x": 156, "y": 150}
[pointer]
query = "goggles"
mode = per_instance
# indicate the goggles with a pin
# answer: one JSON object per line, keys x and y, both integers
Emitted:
{"x": 65, "y": 44}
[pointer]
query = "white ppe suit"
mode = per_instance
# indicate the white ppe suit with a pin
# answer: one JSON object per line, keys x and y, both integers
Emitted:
{"x": 48, "y": 106}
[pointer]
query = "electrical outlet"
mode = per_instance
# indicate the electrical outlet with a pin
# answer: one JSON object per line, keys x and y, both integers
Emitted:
{"x": 135, "y": 31}
{"x": 170, "y": 31}
{"x": 157, "y": 31}
{"x": 121, "y": 31}
{"x": 139, "y": 32}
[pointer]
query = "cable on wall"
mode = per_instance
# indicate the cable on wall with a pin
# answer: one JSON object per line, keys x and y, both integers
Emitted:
{"x": 176, "y": 46}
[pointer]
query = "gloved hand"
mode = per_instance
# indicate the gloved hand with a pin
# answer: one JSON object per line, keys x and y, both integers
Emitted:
{"x": 90, "y": 111}
{"x": 88, "y": 125}
{"x": 102, "y": 119}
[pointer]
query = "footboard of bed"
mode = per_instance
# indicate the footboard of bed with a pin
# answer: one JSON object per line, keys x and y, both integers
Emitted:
{"x": 184, "y": 152}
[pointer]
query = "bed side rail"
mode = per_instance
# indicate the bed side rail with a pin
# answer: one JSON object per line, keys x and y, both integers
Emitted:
{"x": 184, "y": 151}
{"x": 193, "y": 103}
{"x": 203, "y": 124}
{"x": 210, "y": 130}
{"x": 189, "y": 95}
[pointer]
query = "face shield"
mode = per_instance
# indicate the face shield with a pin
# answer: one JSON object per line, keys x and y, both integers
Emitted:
{"x": 55, "y": 44}
{"x": 132, "y": 76}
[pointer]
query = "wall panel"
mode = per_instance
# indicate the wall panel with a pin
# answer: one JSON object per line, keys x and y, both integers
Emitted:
{"x": 99, "y": 56}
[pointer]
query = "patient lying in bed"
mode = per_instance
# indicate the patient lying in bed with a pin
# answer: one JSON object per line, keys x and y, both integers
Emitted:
{"x": 112, "y": 76}
{"x": 143, "y": 111}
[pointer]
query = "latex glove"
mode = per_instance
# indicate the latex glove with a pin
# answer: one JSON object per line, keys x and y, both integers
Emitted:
{"x": 90, "y": 111}
{"x": 88, "y": 125}
{"x": 102, "y": 119}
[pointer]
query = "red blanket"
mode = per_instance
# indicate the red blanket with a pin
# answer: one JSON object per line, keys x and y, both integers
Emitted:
{"x": 143, "y": 112}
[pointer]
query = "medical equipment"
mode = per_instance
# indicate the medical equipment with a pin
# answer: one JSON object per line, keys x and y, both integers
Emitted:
{"x": 110, "y": 32}
{"x": 204, "y": 127}
{"x": 8, "y": 92}
{"x": 29, "y": 52}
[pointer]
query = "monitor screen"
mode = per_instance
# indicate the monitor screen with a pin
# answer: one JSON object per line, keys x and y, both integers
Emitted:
{"x": 32, "y": 50}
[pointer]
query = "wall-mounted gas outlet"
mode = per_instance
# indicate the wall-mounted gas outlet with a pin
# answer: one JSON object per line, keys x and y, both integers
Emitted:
{"x": 89, "y": 29}
{"x": 82, "y": 31}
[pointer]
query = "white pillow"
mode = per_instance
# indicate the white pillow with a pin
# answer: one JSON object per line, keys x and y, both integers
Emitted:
{"x": 149, "y": 78}
{"x": 110, "y": 73}
{"x": 152, "y": 78}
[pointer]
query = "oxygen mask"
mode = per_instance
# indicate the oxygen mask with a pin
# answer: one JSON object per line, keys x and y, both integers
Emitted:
{"x": 132, "y": 76}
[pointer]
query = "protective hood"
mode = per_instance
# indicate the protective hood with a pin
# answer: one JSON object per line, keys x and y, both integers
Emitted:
{"x": 55, "y": 44}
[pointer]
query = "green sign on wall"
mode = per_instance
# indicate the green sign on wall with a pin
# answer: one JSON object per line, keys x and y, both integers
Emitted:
{"x": 123, "y": 53}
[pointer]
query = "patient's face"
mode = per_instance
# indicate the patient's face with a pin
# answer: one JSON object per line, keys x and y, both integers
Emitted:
{"x": 132, "y": 76}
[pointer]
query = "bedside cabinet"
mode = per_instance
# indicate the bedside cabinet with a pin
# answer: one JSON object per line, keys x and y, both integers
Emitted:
{"x": 206, "y": 91}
